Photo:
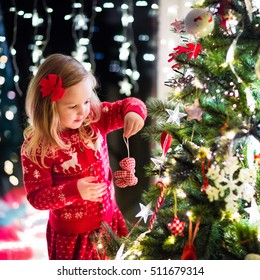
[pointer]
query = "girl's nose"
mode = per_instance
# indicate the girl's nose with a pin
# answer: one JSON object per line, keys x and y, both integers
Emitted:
{"x": 81, "y": 111}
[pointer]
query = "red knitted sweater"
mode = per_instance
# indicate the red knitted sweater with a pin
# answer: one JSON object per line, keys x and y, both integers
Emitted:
{"x": 55, "y": 188}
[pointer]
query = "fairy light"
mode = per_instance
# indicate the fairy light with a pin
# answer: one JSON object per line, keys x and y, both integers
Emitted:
{"x": 8, "y": 167}
{"x": 127, "y": 51}
{"x": 172, "y": 239}
{"x": 14, "y": 180}
{"x": 189, "y": 214}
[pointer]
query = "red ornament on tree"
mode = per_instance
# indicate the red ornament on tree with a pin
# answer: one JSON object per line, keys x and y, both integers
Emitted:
{"x": 189, "y": 249}
{"x": 166, "y": 141}
{"x": 189, "y": 252}
{"x": 176, "y": 226}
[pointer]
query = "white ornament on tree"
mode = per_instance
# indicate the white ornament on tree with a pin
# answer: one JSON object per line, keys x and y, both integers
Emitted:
{"x": 254, "y": 212}
{"x": 199, "y": 22}
{"x": 145, "y": 212}
{"x": 175, "y": 115}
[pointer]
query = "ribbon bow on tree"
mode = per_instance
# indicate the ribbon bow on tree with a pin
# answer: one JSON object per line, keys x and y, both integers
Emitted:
{"x": 126, "y": 176}
{"x": 192, "y": 51}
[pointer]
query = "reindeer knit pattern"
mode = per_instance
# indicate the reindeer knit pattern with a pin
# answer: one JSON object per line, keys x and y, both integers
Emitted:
{"x": 54, "y": 188}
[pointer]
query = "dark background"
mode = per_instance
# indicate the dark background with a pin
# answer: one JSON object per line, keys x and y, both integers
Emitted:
{"x": 105, "y": 51}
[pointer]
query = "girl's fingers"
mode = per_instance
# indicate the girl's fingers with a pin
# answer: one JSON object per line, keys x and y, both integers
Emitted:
{"x": 90, "y": 179}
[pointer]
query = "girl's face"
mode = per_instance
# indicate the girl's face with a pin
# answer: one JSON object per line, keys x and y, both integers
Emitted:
{"x": 74, "y": 106}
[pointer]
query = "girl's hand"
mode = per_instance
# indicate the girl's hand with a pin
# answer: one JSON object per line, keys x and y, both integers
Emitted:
{"x": 132, "y": 124}
{"x": 89, "y": 190}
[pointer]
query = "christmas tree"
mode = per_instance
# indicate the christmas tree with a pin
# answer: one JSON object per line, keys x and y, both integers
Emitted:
{"x": 205, "y": 196}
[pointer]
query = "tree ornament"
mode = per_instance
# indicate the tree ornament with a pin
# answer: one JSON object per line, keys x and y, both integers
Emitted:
{"x": 178, "y": 26}
{"x": 189, "y": 252}
{"x": 145, "y": 212}
{"x": 176, "y": 226}
{"x": 205, "y": 178}
{"x": 175, "y": 115}
{"x": 199, "y": 22}
{"x": 166, "y": 141}
{"x": 253, "y": 211}
{"x": 257, "y": 68}
{"x": 159, "y": 203}
{"x": 229, "y": 183}
{"x": 126, "y": 176}
{"x": 194, "y": 111}
{"x": 252, "y": 256}
{"x": 189, "y": 248}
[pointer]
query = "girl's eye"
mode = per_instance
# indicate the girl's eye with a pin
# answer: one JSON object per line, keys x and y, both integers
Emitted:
{"x": 72, "y": 107}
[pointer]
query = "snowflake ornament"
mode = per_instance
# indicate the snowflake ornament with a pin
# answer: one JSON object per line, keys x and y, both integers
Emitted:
{"x": 231, "y": 183}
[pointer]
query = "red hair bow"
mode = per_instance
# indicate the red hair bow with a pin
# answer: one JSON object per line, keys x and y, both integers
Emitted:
{"x": 53, "y": 86}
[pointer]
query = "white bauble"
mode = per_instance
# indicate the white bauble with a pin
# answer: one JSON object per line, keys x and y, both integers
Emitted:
{"x": 257, "y": 68}
{"x": 252, "y": 257}
{"x": 199, "y": 22}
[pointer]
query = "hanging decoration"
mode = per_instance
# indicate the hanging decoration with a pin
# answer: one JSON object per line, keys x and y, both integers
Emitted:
{"x": 199, "y": 23}
{"x": 126, "y": 176}
{"x": 166, "y": 141}
{"x": 194, "y": 111}
{"x": 159, "y": 203}
{"x": 230, "y": 183}
{"x": 175, "y": 115}
{"x": 192, "y": 51}
{"x": 189, "y": 252}
{"x": 176, "y": 226}
{"x": 145, "y": 212}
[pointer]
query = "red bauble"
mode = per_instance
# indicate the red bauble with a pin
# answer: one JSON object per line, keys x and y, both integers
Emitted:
{"x": 166, "y": 141}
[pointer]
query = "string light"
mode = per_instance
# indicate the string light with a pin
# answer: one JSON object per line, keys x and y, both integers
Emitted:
{"x": 128, "y": 51}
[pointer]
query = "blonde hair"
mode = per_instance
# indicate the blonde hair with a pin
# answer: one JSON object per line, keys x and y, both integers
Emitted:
{"x": 43, "y": 132}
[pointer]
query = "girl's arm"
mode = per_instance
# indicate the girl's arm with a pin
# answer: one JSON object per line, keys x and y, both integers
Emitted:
{"x": 41, "y": 193}
{"x": 113, "y": 114}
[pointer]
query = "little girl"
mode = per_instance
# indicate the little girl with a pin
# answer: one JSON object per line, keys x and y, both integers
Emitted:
{"x": 65, "y": 156}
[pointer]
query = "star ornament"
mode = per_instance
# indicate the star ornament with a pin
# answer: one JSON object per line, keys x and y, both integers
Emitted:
{"x": 175, "y": 115}
{"x": 178, "y": 25}
{"x": 145, "y": 212}
{"x": 194, "y": 111}
{"x": 158, "y": 163}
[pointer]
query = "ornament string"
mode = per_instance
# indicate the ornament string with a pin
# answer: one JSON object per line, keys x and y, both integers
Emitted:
{"x": 126, "y": 140}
